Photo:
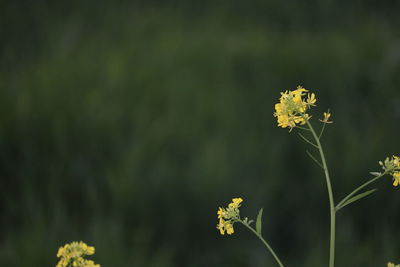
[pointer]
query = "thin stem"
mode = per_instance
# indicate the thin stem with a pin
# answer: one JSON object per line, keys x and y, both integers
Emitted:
{"x": 339, "y": 206}
{"x": 308, "y": 141}
{"x": 313, "y": 158}
{"x": 305, "y": 129}
{"x": 331, "y": 201}
{"x": 322, "y": 131}
{"x": 264, "y": 242}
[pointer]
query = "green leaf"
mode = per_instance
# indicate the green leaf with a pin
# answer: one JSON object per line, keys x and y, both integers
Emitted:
{"x": 357, "y": 197}
{"x": 375, "y": 173}
{"x": 259, "y": 221}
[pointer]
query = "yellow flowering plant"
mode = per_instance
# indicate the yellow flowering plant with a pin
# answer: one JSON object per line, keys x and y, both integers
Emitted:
{"x": 292, "y": 112}
{"x": 72, "y": 255}
{"x": 230, "y": 215}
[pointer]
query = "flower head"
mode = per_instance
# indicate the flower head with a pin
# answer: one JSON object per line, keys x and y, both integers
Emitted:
{"x": 228, "y": 216}
{"x": 392, "y": 167}
{"x": 396, "y": 178}
{"x": 327, "y": 115}
{"x": 72, "y": 255}
{"x": 235, "y": 203}
{"x": 391, "y": 264}
{"x": 292, "y": 107}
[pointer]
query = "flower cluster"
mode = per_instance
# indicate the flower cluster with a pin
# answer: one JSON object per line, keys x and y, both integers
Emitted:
{"x": 390, "y": 264}
{"x": 292, "y": 107}
{"x": 392, "y": 166}
{"x": 72, "y": 255}
{"x": 228, "y": 216}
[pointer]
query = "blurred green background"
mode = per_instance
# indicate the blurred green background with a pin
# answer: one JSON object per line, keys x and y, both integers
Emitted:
{"x": 127, "y": 124}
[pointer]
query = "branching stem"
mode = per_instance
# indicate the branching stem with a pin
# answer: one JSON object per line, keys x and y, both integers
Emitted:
{"x": 313, "y": 158}
{"x": 264, "y": 242}
{"x": 306, "y": 140}
{"x": 339, "y": 206}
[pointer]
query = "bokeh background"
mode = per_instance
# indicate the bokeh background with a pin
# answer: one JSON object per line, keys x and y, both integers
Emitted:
{"x": 127, "y": 124}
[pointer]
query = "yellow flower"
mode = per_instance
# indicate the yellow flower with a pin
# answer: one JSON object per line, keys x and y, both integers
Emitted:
{"x": 392, "y": 167}
{"x": 235, "y": 203}
{"x": 228, "y": 216}
{"x": 90, "y": 250}
{"x": 220, "y": 213}
{"x": 390, "y": 264}
{"x": 73, "y": 253}
{"x": 292, "y": 107}
{"x": 311, "y": 99}
{"x": 327, "y": 115}
{"x": 396, "y": 161}
{"x": 221, "y": 226}
{"x": 90, "y": 263}
{"x": 396, "y": 178}
{"x": 229, "y": 228}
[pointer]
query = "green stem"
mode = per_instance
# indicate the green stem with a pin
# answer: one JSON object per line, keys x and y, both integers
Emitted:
{"x": 339, "y": 206}
{"x": 314, "y": 159}
{"x": 307, "y": 141}
{"x": 322, "y": 130}
{"x": 302, "y": 128}
{"x": 331, "y": 201}
{"x": 264, "y": 242}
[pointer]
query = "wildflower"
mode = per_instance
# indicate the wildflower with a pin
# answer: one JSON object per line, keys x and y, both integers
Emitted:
{"x": 72, "y": 255}
{"x": 221, "y": 226}
{"x": 235, "y": 203}
{"x": 220, "y": 213}
{"x": 292, "y": 107}
{"x": 396, "y": 161}
{"x": 229, "y": 228}
{"x": 228, "y": 216}
{"x": 392, "y": 167}
{"x": 390, "y": 264}
{"x": 327, "y": 115}
{"x": 311, "y": 100}
{"x": 396, "y": 178}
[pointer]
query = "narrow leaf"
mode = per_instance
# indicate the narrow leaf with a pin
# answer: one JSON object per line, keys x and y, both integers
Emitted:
{"x": 259, "y": 221}
{"x": 357, "y": 197}
{"x": 375, "y": 173}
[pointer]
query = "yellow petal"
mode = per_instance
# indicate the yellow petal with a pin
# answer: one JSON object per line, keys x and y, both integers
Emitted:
{"x": 229, "y": 229}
